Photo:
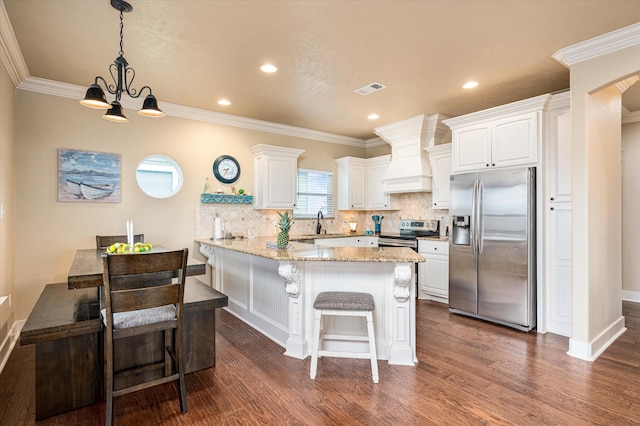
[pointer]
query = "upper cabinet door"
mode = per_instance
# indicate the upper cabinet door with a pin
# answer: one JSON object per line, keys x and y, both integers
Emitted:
{"x": 275, "y": 176}
{"x": 559, "y": 160}
{"x": 504, "y": 136}
{"x": 472, "y": 148}
{"x": 515, "y": 140}
{"x": 357, "y": 187}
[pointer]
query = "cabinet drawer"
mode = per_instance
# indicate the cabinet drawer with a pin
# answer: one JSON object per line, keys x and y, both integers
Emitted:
{"x": 433, "y": 247}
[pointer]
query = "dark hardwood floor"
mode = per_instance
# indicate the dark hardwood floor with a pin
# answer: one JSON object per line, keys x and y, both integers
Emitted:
{"x": 470, "y": 372}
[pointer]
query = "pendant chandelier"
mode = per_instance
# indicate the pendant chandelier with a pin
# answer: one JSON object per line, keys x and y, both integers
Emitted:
{"x": 122, "y": 76}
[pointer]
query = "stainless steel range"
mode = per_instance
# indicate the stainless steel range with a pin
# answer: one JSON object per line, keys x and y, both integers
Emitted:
{"x": 410, "y": 230}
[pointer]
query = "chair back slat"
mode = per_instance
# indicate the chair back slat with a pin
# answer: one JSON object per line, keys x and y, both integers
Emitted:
{"x": 143, "y": 263}
{"x": 143, "y": 280}
{"x": 144, "y": 298}
{"x": 104, "y": 241}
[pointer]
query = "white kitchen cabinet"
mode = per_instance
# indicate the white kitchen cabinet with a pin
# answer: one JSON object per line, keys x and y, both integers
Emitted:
{"x": 557, "y": 206}
{"x": 433, "y": 274}
{"x": 559, "y": 155}
{"x": 440, "y": 159}
{"x": 336, "y": 242}
{"x": 361, "y": 241}
{"x": 351, "y": 183}
{"x": 275, "y": 176}
{"x": 559, "y": 270}
{"x": 375, "y": 198}
{"x": 504, "y": 136}
{"x": 360, "y": 184}
{"x": 366, "y": 241}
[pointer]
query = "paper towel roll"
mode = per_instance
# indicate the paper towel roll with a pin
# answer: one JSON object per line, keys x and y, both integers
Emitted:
{"x": 218, "y": 229}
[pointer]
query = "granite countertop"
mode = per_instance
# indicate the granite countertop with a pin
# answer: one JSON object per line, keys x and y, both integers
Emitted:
{"x": 439, "y": 238}
{"x": 297, "y": 251}
{"x": 323, "y": 235}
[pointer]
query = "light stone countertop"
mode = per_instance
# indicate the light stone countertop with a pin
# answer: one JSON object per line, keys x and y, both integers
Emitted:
{"x": 440, "y": 238}
{"x": 297, "y": 251}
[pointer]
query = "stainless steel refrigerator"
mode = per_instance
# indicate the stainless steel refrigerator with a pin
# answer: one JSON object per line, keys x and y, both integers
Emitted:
{"x": 492, "y": 250}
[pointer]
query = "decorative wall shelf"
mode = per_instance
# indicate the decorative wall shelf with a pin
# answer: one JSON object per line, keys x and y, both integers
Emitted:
{"x": 226, "y": 199}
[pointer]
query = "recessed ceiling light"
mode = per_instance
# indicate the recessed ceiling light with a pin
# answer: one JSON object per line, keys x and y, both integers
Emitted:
{"x": 470, "y": 85}
{"x": 373, "y": 116}
{"x": 224, "y": 102}
{"x": 269, "y": 68}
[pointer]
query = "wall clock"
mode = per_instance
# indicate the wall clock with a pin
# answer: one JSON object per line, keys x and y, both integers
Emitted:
{"x": 226, "y": 169}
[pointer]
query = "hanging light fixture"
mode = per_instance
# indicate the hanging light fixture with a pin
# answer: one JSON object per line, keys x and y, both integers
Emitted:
{"x": 122, "y": 76}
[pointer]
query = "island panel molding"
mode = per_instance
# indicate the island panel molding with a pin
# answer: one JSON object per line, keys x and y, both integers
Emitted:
{"x": 291, "y": 275}
{"x": 208, "y": 252}
{"x": 401, "y": 290}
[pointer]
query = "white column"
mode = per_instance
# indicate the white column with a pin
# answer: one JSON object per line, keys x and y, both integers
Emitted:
{"x": 403, "y": 321}
{"x": 297, "y": 343}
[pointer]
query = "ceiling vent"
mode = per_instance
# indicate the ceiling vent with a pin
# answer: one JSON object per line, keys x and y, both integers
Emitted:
{"x": 370, "y": 88}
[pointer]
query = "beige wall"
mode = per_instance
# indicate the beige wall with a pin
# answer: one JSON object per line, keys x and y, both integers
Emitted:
{"x": 596, "y": 197}
{"x": 630, "y": 207}
{"x": 7, "y": 199}
{"x": 50, "y": 231}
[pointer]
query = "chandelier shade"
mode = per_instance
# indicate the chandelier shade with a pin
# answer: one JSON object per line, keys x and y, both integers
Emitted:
{"x": 150, "y": 107}
{"x": 115, "y": 113}
{"x": 95, "y": 98}
{"x": 122, "y": 76}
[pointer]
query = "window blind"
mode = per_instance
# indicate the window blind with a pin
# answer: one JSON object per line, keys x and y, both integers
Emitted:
{"x": 315, "y": 193}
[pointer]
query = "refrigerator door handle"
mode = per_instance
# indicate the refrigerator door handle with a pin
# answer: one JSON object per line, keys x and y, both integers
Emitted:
{"x": 472, "y": 224}
{"x": 478, "y": 214}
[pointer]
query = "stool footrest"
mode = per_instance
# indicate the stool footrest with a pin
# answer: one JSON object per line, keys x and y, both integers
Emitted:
{"x": 345, "y": 337}
{"x": 334, "y": 354}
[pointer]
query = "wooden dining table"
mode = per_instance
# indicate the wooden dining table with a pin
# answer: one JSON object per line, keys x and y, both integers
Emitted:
{"x": 66, "y": 328}
{"x": 86, "y": 268}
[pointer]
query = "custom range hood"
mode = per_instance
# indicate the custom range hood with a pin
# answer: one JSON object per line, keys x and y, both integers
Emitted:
{"x": 409, "y": 170}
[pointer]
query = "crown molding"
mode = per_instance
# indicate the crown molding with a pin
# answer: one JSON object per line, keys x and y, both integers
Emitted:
{"x": 72, "y": 91}
{"x": 631, "y": 117}
{"x": 10, "y": 53}
{"x": 375, "y": 141}
{"x": 598, "y": 46}
{"x": 524, "y": 106}
{"x": 625, "y": 84}
{"x": 11, "y": 57}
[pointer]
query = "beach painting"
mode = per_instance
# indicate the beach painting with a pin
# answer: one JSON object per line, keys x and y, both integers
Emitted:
{"x": 88, "y": 176}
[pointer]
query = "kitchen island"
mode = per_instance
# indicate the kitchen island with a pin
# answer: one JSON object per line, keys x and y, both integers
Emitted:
{"x": 273, "y": 290}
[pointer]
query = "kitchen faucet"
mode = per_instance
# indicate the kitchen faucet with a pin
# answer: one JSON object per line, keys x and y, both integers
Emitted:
{"x": 318, "y": 225}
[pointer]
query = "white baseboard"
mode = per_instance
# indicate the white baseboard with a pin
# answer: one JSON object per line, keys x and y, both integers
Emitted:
{"x": 9, "y": 343}
{"x": 590, "y": 351}
{"x": 631, "y": 296}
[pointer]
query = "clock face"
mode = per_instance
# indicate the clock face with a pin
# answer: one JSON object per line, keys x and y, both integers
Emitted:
{"x": 226, "y": 169}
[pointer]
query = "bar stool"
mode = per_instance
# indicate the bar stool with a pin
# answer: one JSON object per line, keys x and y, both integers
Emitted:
{"x": 343, "y": 304}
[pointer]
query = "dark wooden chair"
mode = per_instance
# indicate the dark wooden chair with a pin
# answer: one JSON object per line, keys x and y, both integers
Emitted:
{"x": 104, "y": 241}
{"x": 143, "y": 293}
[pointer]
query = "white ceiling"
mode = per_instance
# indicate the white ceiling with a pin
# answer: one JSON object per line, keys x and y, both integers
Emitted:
{"x": 193, "y": 52}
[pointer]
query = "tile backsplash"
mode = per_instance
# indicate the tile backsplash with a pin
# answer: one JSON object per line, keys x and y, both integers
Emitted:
{"x": 242, "y": 218}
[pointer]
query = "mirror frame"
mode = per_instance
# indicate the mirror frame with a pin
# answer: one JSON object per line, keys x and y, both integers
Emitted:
{"x": 171, "y": 165}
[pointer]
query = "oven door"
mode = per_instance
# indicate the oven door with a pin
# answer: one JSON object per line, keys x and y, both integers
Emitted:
{"x": 398, "y": 242}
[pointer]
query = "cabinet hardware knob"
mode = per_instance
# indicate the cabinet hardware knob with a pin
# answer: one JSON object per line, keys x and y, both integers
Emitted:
{"x": 493, "y": 164}
{"x": 552, "y": 208}
{"x": 487, "y": 164}
{"x": 551, "y": 198}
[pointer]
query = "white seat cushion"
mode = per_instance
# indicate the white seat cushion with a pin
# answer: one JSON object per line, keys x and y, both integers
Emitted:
{"x": 141, "y": 317}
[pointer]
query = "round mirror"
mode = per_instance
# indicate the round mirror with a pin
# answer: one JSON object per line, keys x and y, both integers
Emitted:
{"x": 159, "y": 176}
